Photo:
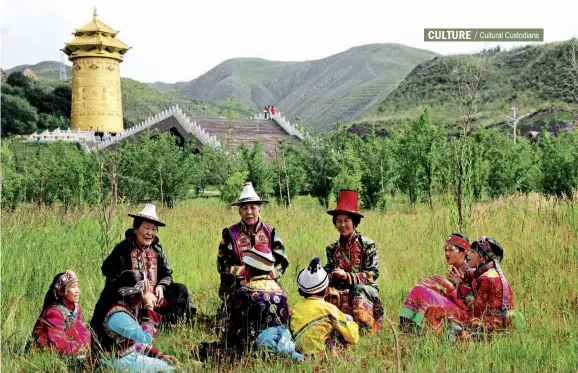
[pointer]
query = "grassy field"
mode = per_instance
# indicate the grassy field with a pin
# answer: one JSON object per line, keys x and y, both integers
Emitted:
{"x": 541, "y": 260}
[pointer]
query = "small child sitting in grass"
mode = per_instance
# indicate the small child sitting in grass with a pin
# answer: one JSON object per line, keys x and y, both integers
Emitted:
{"x": 316, "y": 324}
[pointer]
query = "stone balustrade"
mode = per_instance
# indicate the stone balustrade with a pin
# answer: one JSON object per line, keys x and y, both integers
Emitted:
{"x": 283, "y": 123}
{"x": 86, "y": 136}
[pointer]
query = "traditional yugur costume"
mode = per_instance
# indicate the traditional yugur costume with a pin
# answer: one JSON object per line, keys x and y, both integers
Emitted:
{"x": 152, "y": 260}
{"x": 358, "y": 295}
{"x": 492, "y": 307}
{"x": 60, "y": 326}
{"x": 429, "y": 307}
{"x": 238, "y": 239}
{"x": 122, "y": 341}
{"x": 259, "y": 304}
{"x": 316, "y": 324}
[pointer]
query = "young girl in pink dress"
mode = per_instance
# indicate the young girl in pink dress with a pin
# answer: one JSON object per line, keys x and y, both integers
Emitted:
{"x": 59, "y": 326}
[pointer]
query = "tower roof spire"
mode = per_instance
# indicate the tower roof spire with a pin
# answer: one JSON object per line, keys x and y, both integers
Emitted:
{"x": 95, "y": 39}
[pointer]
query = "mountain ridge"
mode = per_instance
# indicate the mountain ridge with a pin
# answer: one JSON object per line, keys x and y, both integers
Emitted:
{"x": 333, "y": 89}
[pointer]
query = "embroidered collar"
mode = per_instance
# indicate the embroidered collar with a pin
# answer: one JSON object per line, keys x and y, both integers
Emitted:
{"x": 68, "y": 305}
{"x": 260, "y": 277}
{"x": 484, "y": 268}
{"x": 350, "y": 240}
{"x": 258, "y": 226}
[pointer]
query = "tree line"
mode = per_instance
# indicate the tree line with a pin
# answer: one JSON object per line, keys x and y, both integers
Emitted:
{"x": 29, "y": 105}
{"x": 420, "y": 162}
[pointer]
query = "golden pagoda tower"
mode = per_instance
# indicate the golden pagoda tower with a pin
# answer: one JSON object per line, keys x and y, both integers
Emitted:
{"x": 96, "y": 55}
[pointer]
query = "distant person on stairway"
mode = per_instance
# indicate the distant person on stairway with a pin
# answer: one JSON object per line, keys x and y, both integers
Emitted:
{"x": 265, "y": 111}
{"x": 272, "y": 112}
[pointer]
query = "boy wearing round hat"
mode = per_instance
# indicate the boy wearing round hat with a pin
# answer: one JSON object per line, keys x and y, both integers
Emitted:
{"x": 314, "y": 321}
{"x": 240, "y": 238}
{"x": 141, "y": 251}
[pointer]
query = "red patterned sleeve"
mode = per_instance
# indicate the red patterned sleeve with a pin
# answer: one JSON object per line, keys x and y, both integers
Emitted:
{"x": 486, "y": 295}
{"x": 150, "y": 322}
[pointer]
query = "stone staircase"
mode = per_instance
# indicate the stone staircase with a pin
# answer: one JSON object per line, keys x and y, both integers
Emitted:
{"x": 245, "y": 131}
{"x": 204, "y": 131}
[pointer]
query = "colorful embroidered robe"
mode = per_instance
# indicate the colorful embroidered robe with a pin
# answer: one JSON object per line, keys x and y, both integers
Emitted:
{"x": 358, "y": 295}
{"x": 258, "y": 305}
{"x": 434, "y": 306}
{"x": 127, "y": 256}
{"x": 63, "y": 330}
{"x": 125, "y": 344}
{"x": 493, "y": 300}
{"x": 153, "y": 262}
{"x": 235, "y": 241}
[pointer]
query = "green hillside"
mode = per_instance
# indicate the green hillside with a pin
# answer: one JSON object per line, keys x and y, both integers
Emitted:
{"x": 139, "y": 101}
{"x": 45, "y": 103}
{"x": 537, "y": 78}
{"x": 45, "y": 70}
{"x": 340, "y": 87}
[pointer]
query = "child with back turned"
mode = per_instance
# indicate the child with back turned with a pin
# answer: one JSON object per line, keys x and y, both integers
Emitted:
{"x": 315, "y": 323}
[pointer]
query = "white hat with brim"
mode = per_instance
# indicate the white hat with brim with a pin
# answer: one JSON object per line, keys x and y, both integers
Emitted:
{"x": 248, "y": 195}
{"x": 149, "y": 213}
{"x": 313, "y": 279}
{"x": 261, "y": 258}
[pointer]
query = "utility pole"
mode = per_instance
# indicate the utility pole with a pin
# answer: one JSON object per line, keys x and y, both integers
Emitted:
{"x": 515, "y": 120}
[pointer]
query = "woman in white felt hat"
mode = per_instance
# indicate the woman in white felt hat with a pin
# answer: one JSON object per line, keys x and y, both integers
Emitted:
{"x": 141, "y": 251}
{"x": 241, "y": 237}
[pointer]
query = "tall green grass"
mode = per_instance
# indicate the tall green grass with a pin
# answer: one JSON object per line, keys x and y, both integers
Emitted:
{"x": 541, "y": 261}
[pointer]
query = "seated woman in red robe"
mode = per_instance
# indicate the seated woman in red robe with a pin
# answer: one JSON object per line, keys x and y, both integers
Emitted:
{"x": 492, "y": 308}
{"x": 428, "y": 304}
{"x": 59, "y": 326}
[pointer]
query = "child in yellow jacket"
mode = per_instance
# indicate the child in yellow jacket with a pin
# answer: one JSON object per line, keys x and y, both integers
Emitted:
{"x": 314, "y": 321}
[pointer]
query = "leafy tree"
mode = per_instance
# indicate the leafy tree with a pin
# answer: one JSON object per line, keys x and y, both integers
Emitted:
{"x": 418, "y": 152}
{"x": 291, "y": 175}
{"x": 17, "y": 79}
{"x": 259, "y": 171}
{"x": 377, "y": 173}
{"x": 559, "y": 163}
{"x": 18, "y": 116}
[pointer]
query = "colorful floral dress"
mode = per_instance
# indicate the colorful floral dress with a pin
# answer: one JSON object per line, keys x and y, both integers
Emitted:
{"x": 60, "y": 327}
{"x": 358, "y": 295}
{"x": 434, "y": 306}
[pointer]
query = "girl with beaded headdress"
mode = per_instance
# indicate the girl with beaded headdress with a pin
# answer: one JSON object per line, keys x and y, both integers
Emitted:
{"x": 492, "y": 307}
{"x": 122, "y": 341}
{"x": 59, "y": 326}
{"x": 428, "y": 304}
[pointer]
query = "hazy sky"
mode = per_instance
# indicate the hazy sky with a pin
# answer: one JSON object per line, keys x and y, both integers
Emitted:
{"x": 180, "y": 40}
